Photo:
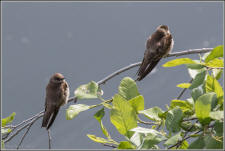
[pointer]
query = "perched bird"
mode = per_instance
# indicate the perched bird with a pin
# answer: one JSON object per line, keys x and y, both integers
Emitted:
{"x": 158, "y": 45}
{"x": 57, "y": 94}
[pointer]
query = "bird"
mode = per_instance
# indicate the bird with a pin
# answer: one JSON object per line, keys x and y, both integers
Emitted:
{"x": 158, "y": 45}
{"x": 57, "y": 94}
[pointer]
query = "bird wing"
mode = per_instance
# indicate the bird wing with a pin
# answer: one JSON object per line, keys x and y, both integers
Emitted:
{"x": 54, "y": 114}
{"x": 153, "y": 55}
{"x": 47, "y": 114}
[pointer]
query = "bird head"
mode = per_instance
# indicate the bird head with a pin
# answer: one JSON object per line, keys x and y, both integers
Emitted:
{"x": 57, "y": 78}
{"x": 164, "y": 28}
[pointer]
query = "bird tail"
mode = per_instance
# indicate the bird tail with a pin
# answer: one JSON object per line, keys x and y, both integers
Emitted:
{"x": 53, "y": 118}
{"x": 142, "y": 74}
{"x": 49, "y": 116}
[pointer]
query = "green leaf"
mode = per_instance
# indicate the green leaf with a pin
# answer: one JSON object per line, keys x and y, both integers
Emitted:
{"x": 216, "y": 141}
{"x": 150, "y": 143}
{"x": 88, "y": 91}
{"x": 5, "y": 130}
{"x": 177, "y": 62}
{"x": 137, "y": 103}
{"x": 173, "y": 140}
{"x": 205, "y": 55}
{"x": 199, "y": 143}
{"x": 98, "y": 139}
{"x": 219, "y": 128}
{"x": 215, "y": 53}
{"x": 203, "y": 107}
{"x": 123, "y": 116}
{"x": 212, "y": 142}
{"x": 145, "y": 130}
{"x": 184, "y": 145}
{"x": 212, "y": 85}
{"x": 184, "y": 85}
{"x": 137, "y": 138}
{"x": 215, "y": 63}
{"x": 196, "y": 92}
{"x": 128, "y": 88}
{"x": 188, "y": 126}
{"x": 74, "y": 110}
{"x": 217, "y": 115}
{"x": 173, "y": 119}
{"x": 98, "y": 116}
{"x": 190, "y": 101}
{"x": 152, "y": 113}
{"x": 217, "y": 73}
{"x": 3, "y": 145}
{"x": 195, "y": 66}
{"x": 152, "y": 137}
{"x": 126, "y": 145}
{"x": 8, "y": 119}
{"x": 194, "y": 72}
{"x": 198, "y": 80}
{"x": 184, "y": 105}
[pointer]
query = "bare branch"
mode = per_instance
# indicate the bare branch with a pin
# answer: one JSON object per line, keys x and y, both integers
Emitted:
{"x": 49, "y": 139}
{"x": 190, "y": 51}
{"x": 26, "y": 132}
{"x": 36, "y": 115}
{"x": 190, "y": 119}
{"x": 185, "y": 52}
{"x": 109, "y": 145}
{"x": 20, "y": 129}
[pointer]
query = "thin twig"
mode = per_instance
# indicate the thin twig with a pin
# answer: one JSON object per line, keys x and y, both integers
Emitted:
{"x": 185, "y": 134}
{"x": 190, "y": 51}
{"x": 49, "y": 139}
{"x": 104, "y": 80}
{"x": 210, "y": 126}
{"x": 20, "y": 129}
{"x": 109, "y": 145}
{"x": 148, "y": 123}
{"x": 36, "y": 115}
{"x": 28, "y": 128}
{"x": 184, "y": 139}
{"x": 194, "y": 118}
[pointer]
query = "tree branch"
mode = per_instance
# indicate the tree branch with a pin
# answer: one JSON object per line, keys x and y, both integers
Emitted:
{"x": 189, "y": 51}
{"x": 20, "y": 129}
{"x": 26, "y": 132}
{"x": 109, "y": 145}
{"x": 184, "y": 139}
{"x": 29, "y": 122}
{"x": 185, "y": 52}
{"x": 49, "y": 139}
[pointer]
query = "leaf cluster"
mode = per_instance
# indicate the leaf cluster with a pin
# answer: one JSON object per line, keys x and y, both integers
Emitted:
{"x": 200, "y": 116}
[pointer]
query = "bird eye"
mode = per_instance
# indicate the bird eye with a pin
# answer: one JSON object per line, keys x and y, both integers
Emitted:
{"x": 58, "y": 79}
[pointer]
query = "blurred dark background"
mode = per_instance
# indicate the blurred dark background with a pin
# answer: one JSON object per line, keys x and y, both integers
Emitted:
{"x": 87, "y": 41}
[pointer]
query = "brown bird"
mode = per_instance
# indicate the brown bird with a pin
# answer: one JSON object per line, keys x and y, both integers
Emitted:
{"x": 158, "y": 45}
{"x": 57, "y": 94}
